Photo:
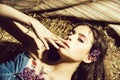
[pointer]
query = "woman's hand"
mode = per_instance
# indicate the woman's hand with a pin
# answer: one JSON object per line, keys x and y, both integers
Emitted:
{"x": 45, "y": 35}
{"x": 41, "y": 32}
{"x": 32, "y": 43}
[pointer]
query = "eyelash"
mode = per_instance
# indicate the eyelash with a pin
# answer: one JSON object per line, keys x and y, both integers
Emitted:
{"x": 79, "y": 39}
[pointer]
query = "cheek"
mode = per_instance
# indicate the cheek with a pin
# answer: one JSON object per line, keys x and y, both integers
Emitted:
{"x": 79, "y": 49}
{"x": 74, "y": 54}
{"x": 78, "y": 53}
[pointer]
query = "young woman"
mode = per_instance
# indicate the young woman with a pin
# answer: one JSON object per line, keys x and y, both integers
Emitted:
{"x": 78, "y": 57}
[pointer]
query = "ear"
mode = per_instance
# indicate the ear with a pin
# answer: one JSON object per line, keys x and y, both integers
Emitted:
{"x": 88, "y": 59}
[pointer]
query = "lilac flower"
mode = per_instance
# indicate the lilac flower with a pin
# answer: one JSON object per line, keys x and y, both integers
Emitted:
{"x": 29, "y": 74}
{"x": 94, "y": 54}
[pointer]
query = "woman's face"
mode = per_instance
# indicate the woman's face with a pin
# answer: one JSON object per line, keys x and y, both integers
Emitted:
{"x": 77, "y": 45}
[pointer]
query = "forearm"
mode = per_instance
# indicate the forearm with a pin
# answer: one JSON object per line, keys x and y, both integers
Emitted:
{"x": 11, "y": 13}
{"x": 34, "y": 45}
{"x": 24, "y": 36}
{"x": 7, "y": 12}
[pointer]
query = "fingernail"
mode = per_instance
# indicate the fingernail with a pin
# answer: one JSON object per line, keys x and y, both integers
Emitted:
{"x": 57, "y": 47}
{"x": 47, "y": 48}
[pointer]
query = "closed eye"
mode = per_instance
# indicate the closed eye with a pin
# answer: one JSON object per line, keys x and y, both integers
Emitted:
{"x": 79, "y": 39}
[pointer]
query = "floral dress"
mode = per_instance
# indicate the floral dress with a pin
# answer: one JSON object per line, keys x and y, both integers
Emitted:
{"x": 15, "y": 69}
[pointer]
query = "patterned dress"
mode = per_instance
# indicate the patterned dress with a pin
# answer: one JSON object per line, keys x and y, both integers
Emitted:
{"x": 15, "y": 69}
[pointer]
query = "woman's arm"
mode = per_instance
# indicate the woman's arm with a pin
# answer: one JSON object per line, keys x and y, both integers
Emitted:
{"x": 41, "y": 32}
{"x": 34, "y": 45}
{"x": 11, "y": 13}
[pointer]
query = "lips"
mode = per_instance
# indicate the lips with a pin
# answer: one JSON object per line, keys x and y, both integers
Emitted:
{"x": 66, "y": 44}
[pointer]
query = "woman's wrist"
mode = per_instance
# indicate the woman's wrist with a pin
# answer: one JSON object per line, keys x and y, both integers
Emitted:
{"x": 35, "y": 24}
{"x": 30, "y": 21}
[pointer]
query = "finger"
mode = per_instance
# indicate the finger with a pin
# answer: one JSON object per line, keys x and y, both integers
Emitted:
{"x": 61, "y": 39}
{"x": 60, "y": 43}
{"x": 57, "y": 38}
{"x": 53, "y": 43}
{"x": 39, "y": 54}
{"x": 45, "y": 43}
{"x": 36, "y": 54}
{"x": 31, "y": 55}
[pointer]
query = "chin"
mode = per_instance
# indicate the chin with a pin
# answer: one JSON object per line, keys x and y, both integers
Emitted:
{"x": 62, "y": 51}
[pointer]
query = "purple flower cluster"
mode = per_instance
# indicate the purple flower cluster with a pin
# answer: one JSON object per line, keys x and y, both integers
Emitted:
{"x": 94, "y": 54}
{"x": 29, "y": 74}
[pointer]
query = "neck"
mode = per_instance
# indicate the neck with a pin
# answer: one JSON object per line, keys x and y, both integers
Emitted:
{"x": 66, "y": 67}
{"x": 63, "y": 65}
{"x": 60, "y": 68}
